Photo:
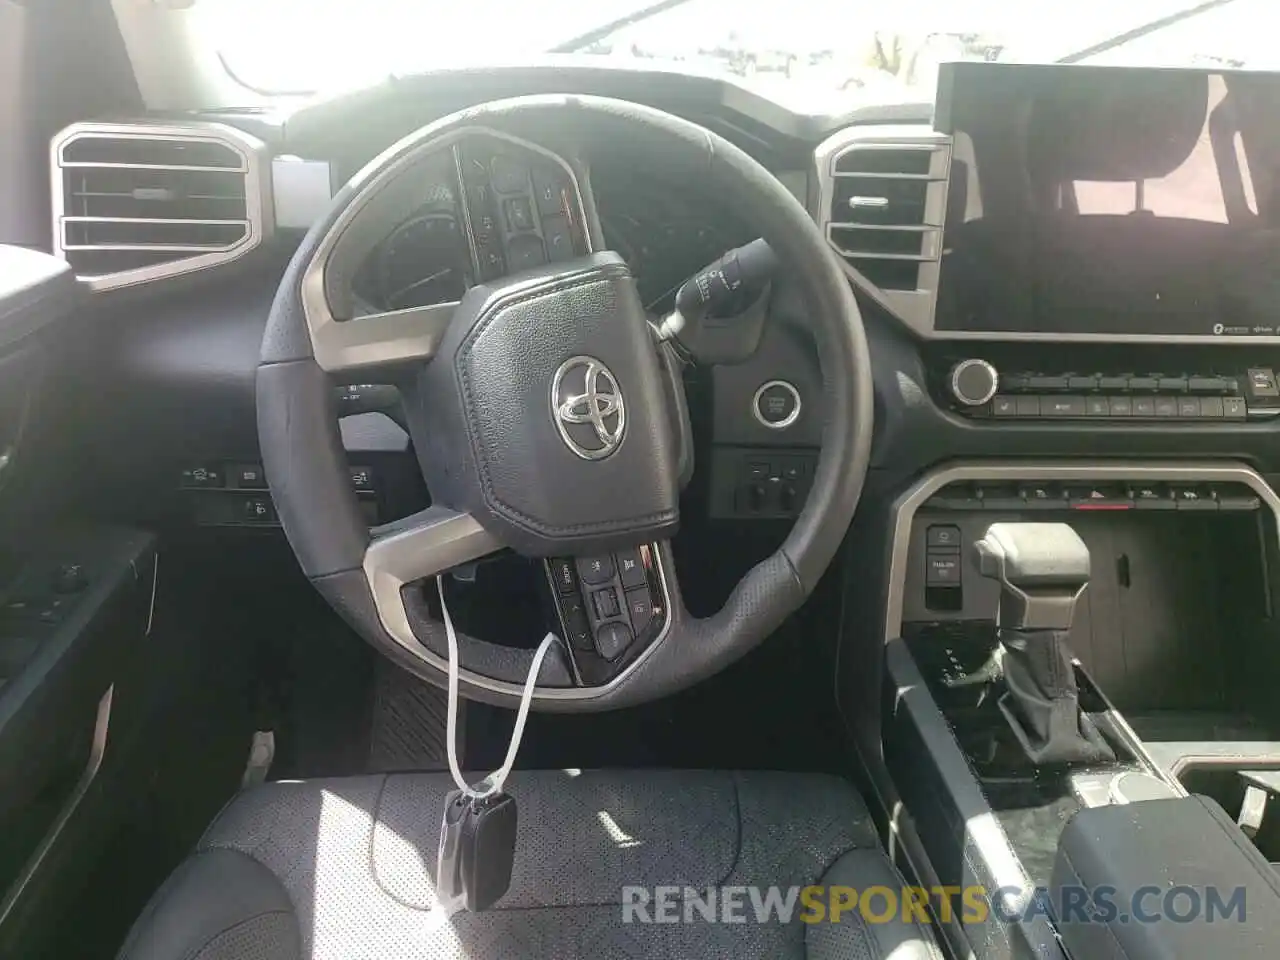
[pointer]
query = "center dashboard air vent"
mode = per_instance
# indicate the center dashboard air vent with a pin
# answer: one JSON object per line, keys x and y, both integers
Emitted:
{"x": 882, "y": 205}
{"x": 134, "y": 203}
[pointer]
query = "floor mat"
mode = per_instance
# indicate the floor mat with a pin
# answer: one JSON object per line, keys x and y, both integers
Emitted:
{"x": 410, "y": 719}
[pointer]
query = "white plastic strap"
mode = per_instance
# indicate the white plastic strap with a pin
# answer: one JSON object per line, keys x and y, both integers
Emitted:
{"x": 493, "y": 782}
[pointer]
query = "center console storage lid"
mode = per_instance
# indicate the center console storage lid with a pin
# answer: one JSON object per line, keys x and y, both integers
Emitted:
{"x": 1142, "y": 852}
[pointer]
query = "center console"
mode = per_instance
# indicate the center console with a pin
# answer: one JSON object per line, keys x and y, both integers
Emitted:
{"x": 1074, "y": 636}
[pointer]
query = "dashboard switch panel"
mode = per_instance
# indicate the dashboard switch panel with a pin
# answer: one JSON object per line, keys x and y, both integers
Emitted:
{"x": 762, "y": 484}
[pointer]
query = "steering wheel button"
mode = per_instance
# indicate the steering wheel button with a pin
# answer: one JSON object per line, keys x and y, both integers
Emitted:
{"x": 612, "y": 639}
{"x": 562, "y": 576}
{"x": 606, "y": 602}
{"x": 508, "y": 175}
{"x": 525, "y": 252}
{"x": 631, "y": 569}
{"x": 596, "y": 570}
{"x": 546, "y": 190}
{"x": 558, "y": 238}
{"x": 639, "y": 609}
{"x": 519, "y": 216}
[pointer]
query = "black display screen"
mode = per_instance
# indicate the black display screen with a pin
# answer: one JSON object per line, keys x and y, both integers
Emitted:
{"x": 1105, "y": 200}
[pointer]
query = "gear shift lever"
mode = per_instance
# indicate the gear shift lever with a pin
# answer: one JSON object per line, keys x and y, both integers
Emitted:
{"x": 1043, "y": 568}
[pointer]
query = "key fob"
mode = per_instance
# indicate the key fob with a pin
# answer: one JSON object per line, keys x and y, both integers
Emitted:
{"x": 477, "y": 850}
{"x": 489, "y": 850}
{"x": 450, "y": 887}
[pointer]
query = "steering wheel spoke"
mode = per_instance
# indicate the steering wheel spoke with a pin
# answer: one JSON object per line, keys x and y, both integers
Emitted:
{"x": 376, "y": 340}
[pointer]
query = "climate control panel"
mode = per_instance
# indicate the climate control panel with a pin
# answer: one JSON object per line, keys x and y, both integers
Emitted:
{"x": 975, "y": 388}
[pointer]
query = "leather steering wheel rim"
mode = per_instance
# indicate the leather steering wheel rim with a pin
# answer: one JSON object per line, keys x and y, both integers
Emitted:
{"x": 306, "y": 465}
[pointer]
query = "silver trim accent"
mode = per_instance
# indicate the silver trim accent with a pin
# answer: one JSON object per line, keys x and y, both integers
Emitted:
{"x": 97, "y": 750}
{"x": 964, "y": 365}
{"x": 438, "y": 539}
{"x": 789, "y": 419}
{"x": 341, "y": 345}
{"x": 257, "y": 196}
{"x": 598, "y": 406}
{"x": 906, "y": 507}
{"x": 916, "y": 307}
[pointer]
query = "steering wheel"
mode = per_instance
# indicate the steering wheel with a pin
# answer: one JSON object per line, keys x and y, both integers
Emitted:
{"x": 542, "y": 413}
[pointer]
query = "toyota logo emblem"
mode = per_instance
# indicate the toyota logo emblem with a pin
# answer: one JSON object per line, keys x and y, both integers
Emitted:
{"x": 587, "y": 407}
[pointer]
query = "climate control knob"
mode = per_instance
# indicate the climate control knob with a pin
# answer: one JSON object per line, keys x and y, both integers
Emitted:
{"x": 973, "y": 382}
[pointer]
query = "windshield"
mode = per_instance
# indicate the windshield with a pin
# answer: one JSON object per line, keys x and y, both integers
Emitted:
{"x": 814, "y": 55}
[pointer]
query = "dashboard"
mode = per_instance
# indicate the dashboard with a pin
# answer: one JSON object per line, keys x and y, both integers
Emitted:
{"x": 177, "y": 355}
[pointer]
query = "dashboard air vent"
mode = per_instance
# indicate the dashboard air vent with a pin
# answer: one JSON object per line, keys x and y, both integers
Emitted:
{"x": 134, "y": 203}
{"x": 883, "y": 202}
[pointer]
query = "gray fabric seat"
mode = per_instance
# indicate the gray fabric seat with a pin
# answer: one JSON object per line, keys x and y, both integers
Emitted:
{"x": 344, "y": 869}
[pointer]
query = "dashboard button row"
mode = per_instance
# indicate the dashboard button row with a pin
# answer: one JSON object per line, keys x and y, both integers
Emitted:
{"x": 1098, "y": 406}
{"x": 1136, "y": 383}
{"x": 1131, "y": 495}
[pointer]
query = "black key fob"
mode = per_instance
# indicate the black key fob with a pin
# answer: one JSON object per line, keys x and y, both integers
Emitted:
{"x": 477, "y": 850}
{"x": 489, "y": 850}
{"x": 450, "y": 887}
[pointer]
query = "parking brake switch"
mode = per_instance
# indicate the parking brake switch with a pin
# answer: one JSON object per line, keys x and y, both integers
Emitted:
{"x": 1042, "y": 568}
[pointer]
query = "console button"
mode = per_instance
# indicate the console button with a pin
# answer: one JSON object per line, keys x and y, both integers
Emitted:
{"x": 257, "y": 510}
{"x": 562, "y": 576}
{"x": 249, "y": 476}
{"x": 612, "y": 639}
{"x": 1206, "y": 384}
{"x": 1189, "y": 407}
{"x": 1144, "y": 383}
{"x": 1097, "y": 407}
{"x": 1166, "y": 406}
{"x": 1047, "y": 383}
{"x": 606, "y": 602}
{"x": 758, "y": 470}
{"x": 1172, "y": 384}
{"x": 596, "y": 570}
{"x": 639, "y": 609}
{"x": 1151, "y": 497}
{"x": 943, "y": 535}
{"x": 1211, "y": 407}
{"x": 942, "y": 570}
{"x": 1121, "y": 406}
{"x": 631, "y": 568}
{"x": 1144, "y": 406}
{"x": 1062, "y": 407}
{"x": 1044, "y": 497}
{"x": 1082, "y": 383}
{"x": 1028, "y": 406}
{"x": 1262, "y": 382}
{"x": 361, "y": 479}
{"x": 1099, "y": 497}
{"x": 1233, "y": 408}
{"x": 1113, "y": 383}
{"x": 1193, "y": 498}
{"x": 791, "y": 469}
{"x": 1004, "y": 407}
{"x": 202, "y": 477}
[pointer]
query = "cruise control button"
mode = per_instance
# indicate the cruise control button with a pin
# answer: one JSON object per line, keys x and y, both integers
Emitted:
{"x": 612, "y": 639}
{"x": 596, "y": 570}
{"x": 639, "y": 609}
{"x": 562, "y": 576}
{"x": 631, "y": 568}
{"x": 575, "y": 623}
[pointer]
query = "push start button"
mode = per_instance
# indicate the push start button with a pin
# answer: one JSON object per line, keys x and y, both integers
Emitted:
{"x": 776, "y": 404}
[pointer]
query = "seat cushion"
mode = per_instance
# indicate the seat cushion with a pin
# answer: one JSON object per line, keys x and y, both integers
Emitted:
{"x": 354, "y": 861}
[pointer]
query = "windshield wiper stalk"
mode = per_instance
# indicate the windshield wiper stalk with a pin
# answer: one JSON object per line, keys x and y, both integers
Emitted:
{"x": 1122, "y": 38}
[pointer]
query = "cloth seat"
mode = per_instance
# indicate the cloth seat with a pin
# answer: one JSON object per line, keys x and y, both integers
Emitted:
{"x": 342, "y": 869}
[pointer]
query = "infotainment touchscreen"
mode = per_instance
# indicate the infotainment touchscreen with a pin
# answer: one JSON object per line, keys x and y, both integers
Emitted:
{"x": 1099, "y": 200}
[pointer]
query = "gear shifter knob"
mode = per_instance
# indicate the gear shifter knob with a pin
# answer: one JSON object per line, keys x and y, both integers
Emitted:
{"x": 1042, "y": 569}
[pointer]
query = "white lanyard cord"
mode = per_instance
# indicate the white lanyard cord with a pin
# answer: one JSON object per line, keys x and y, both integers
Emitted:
{"x": 493, "y": 783}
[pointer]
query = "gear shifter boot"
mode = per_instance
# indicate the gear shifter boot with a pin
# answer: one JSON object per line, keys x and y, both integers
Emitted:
{"x": 1043, "y": 568}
